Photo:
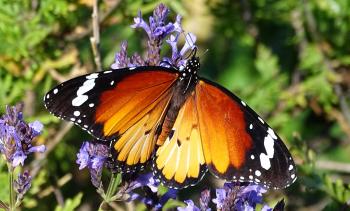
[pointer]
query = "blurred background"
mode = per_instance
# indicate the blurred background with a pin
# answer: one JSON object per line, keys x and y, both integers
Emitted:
{"x": 289, "y": 60}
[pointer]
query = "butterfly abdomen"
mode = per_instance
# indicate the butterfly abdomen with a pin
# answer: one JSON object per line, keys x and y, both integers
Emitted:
{"x": 181, "y": 93}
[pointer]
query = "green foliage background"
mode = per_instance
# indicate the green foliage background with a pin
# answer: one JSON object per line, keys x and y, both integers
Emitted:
{"x": 289, "y": 60}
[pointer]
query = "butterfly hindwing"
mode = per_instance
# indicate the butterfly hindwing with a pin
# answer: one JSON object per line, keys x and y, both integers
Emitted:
{"x": 108, "y": 103}
{"x": 237, "y": 144}
{"x": 179, "y": 162}
{"x": 136, "y": 146}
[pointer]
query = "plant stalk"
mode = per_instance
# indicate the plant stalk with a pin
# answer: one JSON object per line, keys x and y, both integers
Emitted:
{"x": 12, "y": 203}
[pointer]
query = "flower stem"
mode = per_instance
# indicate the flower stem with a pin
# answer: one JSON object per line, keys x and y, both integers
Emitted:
{"x": 113, "y": 185}
{"x": 12, "y": 193}
{"x": 111, "y": 190}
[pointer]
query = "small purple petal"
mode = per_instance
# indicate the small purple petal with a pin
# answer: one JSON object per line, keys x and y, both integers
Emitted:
{"x": 266, "y": 208}
{"x": 171, "y": 194}
{"x": 18, "y": 158}
{"x": 36, "y": 126}
{"x": 140, "y": 23}
{"x": 147, "y": 179}
{"x": 98, "y": 161}
{"x": 189, "y": 44}
{"x": 83, "y": 156}
{"x": 163, "y": 31}
{"x": 40, "y": 148}
{"x": 220, "y": 197}
{"x": 190, "y": 206}
{"x": 133, "y": 196}
{"x": 177, "y": 24}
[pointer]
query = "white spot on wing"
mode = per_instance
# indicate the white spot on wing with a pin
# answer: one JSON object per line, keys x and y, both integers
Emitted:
{"x": 112, "y": 82}
{"x": 108, "y": 71}
{"x": 132, "y": 68}
{"x": 55, "y": 91}
{"x": 72, "y": 119}
{"x": 252, "y": 157}
{"x": 269, "y": 148}
{"x": 272, "y": 133}
{"x": 47, "y": 96}
{"x": 79, "y": 100}
{"x": 87, "y": 86}
{"x": 76, "y": 113}
{"x": 257, "y": 173}
{"x": 243, "y": 103}
{"x": 268, "y": 144}
{"x": 290, "y": 167}
{"x": 292, "y": 176}
{"x": 261, "y": 120}
{"x": 92, "y": 76}
{"x": 91, "y": 105}
{"x": 251, "y": 126}
{"x": 265, "y": 161}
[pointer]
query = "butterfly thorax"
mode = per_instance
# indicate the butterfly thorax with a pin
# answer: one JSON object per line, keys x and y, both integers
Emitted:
{"x": 189, "y": 72}
{"x": 181, "y": 91}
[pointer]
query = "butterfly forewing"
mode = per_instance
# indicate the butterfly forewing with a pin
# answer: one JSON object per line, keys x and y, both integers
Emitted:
{"x": 237, "y": 144}
{"x": 107, "y": 103}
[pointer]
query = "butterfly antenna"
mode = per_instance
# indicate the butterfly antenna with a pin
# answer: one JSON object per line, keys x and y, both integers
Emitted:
{"x": 206, "y": 51}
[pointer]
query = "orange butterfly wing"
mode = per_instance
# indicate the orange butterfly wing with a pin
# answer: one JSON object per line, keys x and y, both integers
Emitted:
{"x": 179, "y": 162}
{"x": 131, "y": 99}
{"x": 237, "y": 144}
{"x": 125, "y": 106}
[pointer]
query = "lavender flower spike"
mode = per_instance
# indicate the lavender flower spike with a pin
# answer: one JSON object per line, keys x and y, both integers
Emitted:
{"x": 235, "y": 197}
{"x": 16, "y": 136}
{"x": 157, "y": 29}
{"x": 151, "y": 198}
{"x": 22, "y": 184}
{"x": 93, "y": 156}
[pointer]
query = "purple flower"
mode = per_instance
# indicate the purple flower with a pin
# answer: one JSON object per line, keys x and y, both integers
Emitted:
{"x": 149, "y": 186}
{"x": 179, "y": 59}
{"x": 157, "y": 30}
{"x": 234, "y": 197}
{"x": 121, "y": 59}
{"x": 16, "y": 136}
{"x": 204, "y": 200}
{"x": 22, "y": 184}
{"x": 190, "y": 206}
{"x": 93, "y": 156}
{"x": 231, "y": 197}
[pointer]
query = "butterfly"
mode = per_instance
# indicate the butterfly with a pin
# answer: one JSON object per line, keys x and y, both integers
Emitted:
{"x": 179, "y": 122}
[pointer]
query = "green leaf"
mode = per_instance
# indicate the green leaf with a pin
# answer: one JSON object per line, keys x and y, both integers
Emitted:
{"x": 4, "y": 190}
{"x": 266, "y": 63}
{"x": 71, "y": 204}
